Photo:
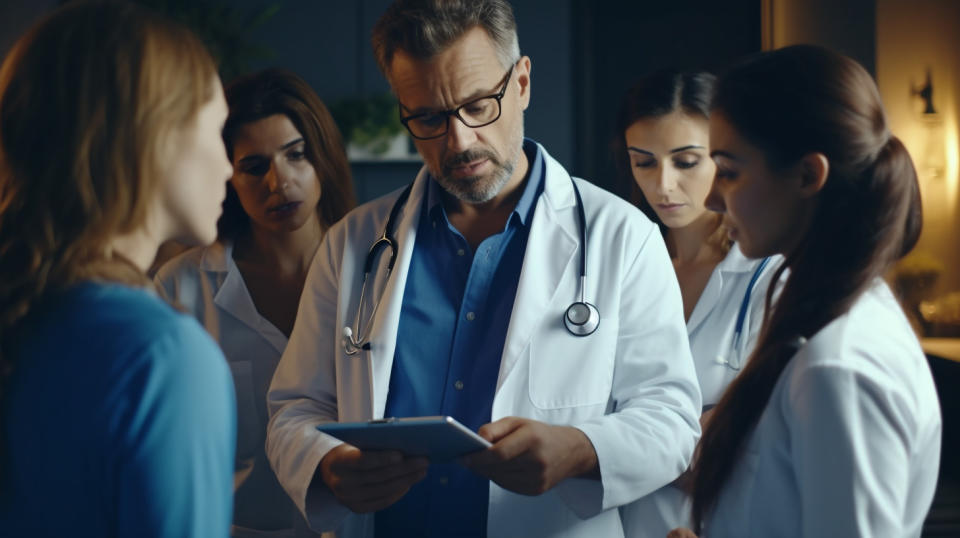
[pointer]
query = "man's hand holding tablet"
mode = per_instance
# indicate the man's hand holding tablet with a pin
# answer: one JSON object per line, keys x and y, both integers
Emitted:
{"x": 382, "y": 459}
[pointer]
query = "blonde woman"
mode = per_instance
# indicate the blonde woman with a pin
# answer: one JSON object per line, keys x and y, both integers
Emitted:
{"x": 118, "y": 413}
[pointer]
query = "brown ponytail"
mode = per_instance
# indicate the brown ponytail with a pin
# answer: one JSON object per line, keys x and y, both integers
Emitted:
{"x": 789, "y": 103}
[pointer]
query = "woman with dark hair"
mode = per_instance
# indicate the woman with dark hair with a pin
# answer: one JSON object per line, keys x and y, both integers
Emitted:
{"x": 291, "y": 181}
{"x": 117, "y": 415}
{"x": 662, "y": 148}
{"x": 833, "y": 428}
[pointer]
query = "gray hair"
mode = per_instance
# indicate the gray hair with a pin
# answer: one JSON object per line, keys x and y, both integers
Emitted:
{"x": 424, "y": 28}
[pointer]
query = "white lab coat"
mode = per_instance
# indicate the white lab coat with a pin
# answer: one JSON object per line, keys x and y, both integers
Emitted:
{"x": 208, "y": 285}
{"x": 630, "y": 387}
{"x": 849, "y": 443}
{"x": 713, "y": 321}
{"x": 711, "y": 330}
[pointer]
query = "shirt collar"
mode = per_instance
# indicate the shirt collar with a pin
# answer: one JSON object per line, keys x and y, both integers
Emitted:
{"x": 528, "y": 200}
{"x": 217, "y": 257}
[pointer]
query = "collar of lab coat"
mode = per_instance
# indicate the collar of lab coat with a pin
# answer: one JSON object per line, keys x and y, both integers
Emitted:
{"x": 549, "y": 256}
{"x": 232, "y": 295}
{"x": 734, "y": 263}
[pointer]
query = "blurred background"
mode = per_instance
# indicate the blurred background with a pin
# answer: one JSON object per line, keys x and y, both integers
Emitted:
{"x": 584, "y": 56}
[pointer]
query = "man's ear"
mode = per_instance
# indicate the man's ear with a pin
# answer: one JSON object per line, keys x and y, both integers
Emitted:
{"x": 814, "y": 169}
{"x": 523, "y": 79}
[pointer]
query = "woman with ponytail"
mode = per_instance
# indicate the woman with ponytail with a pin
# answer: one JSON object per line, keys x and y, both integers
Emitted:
{"x": 117, "y": 414}
{"x": 833, "y": 428}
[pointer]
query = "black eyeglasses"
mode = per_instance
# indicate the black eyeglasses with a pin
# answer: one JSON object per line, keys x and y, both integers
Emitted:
{"x": 476, "y": 113}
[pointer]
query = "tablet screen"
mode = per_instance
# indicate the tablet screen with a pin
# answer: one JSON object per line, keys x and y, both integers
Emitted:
{"x": 438, "y": 438}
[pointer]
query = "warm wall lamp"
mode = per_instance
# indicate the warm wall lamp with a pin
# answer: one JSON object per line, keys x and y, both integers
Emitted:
{"x": 931, "y": 158}
{"x": 925, "y": 92}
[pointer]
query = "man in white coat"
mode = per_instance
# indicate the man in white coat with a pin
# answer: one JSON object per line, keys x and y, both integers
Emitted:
{"x": 493, "y": 244}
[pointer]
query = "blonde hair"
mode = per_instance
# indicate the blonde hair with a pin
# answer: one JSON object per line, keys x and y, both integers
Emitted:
{"x": 89, "y": 98}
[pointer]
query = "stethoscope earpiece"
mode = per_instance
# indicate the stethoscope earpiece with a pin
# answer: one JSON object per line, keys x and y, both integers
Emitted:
{"x": 581, "y": 319}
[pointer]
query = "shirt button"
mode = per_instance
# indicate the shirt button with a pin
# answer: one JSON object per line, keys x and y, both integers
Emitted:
{"x": 471, "y": 316}
{"x": 458, "y": 385}
{"x": 444, "y": 480}
{"x": 461, "y": 252}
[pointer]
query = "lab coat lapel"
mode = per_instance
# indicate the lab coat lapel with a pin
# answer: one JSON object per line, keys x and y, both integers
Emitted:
{"x": 383, "y": 331}
{"x": 734, "y": 262}
{"x": 708, "y": 300}
{"x": 548, "y": 259}
{"x": 234, "y": 298}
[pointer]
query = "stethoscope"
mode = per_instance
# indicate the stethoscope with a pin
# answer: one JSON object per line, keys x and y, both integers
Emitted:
{"x": 581, "y": 318}
{"x": 741, "y": 319}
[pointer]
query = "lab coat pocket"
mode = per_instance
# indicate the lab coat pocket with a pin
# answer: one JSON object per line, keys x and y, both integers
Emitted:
{"x": 250, "y": 434}
{"x": 572, "y": 371}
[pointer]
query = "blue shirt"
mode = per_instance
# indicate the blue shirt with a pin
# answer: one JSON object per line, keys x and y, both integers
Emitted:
{"x": 118, "y": 420}
{"x": 453, "y": 324}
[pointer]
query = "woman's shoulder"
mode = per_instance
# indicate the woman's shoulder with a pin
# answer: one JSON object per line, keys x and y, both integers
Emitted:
{"x": 871, "y": 347}
{"x": 214, "y": 257}
{"x": 144, "y": 333}
{"x": 874, "y": 327}
{"x": 125, "y": 312}
{"x": 114, "y": 327}
{"x": 142, "y": 360}
{"x": 179, "y": 281}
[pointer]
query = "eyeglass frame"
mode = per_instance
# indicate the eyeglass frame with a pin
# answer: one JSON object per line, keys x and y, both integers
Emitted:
{"x": 456, "y": 111}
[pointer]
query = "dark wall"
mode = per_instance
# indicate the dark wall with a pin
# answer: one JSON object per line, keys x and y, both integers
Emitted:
{"x": 584, "y": 54}
{"x": 16, "y": 16}
{"x": 621, "y": 41}
{"x": 848, "y": 27}
{"x": 328, "y": 43}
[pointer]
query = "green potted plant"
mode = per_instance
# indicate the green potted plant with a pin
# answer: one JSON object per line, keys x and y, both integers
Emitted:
{"x": 371, "y": 127}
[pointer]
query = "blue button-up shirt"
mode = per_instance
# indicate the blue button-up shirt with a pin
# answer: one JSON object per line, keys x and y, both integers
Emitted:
{"x": 453, "y": 323}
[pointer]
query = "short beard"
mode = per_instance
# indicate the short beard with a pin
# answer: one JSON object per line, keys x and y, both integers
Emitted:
{"x": 480, "y": 189}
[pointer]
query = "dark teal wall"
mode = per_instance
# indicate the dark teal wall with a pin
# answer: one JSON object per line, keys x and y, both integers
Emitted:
{"x": 584, "y": 55}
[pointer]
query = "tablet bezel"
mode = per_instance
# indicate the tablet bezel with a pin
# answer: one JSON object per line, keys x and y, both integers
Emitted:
{"x": 439, "y": 438}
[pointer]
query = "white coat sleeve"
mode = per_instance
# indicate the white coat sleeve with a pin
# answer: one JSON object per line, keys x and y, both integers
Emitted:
{"x": 648, "y": 439}
{"x": 303, "y": 394}
{"x": 850, "y": 444}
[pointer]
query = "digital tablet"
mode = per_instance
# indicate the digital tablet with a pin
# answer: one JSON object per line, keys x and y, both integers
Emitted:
{"x": 437, "y": 438}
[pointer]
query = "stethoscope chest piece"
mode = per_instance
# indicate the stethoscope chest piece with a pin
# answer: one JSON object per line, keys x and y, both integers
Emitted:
{"x": 581, "y": 318}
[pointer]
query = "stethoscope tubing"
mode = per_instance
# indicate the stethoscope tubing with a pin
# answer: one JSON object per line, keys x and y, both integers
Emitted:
{"x": 354, "y": 340}
{"x": 742, "y": 313}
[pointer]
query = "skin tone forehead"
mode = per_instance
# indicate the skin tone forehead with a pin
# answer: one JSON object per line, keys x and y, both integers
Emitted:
{"x": 264, "y": 136}
{"x": 726, "y": 146}
{"x": 667, "y": 134}
{"x": 467, "y": 69}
